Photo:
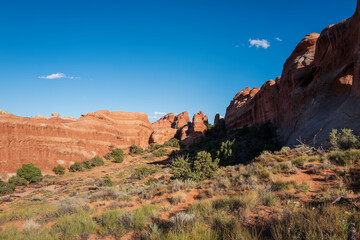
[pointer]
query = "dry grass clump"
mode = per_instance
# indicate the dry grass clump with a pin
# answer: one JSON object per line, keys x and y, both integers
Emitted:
{"x": 182, "y": 219}
{"x": 177, "y": 198}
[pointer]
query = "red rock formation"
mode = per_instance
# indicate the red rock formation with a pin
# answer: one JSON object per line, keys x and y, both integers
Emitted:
{"x": 194, "y": 132}
{"x": 163, "y": 129}
{"x": 319, "y": 88}
{"x": 182, "y": 120}
{"x": 49, "y": 142}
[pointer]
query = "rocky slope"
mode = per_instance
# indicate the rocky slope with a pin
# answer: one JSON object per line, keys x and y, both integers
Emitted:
{"x": 47, "y": 142}
{"x": 319, "y": 88}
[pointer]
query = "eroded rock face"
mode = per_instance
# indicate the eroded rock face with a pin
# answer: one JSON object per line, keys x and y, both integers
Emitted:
{"x": 171, "y": 126}
{"x": 319, "y": 88}
{"x": 47, "y": 142}
{"x": 163, "y": 129}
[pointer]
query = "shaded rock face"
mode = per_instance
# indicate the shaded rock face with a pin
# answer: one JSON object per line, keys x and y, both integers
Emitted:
{"x": 171, "y": 126}
{"x": 163, "y": 129}
{"x": 195, "y": 131}
{"x": 49, "y": 142}
{"x": 319, "y": 88}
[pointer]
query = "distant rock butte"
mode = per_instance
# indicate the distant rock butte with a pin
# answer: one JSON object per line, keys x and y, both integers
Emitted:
{"x": 46, "y": 142}
{"x": 319, "y": 88}
{"x": 171, "y": 126}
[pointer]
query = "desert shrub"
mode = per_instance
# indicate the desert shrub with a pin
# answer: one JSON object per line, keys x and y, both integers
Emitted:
{"x": 348, "y": 157}
{"x": 152, "y": 147}
{"x": 204, "y": 167}
{"x": 74, "y": 227}
{"x": 143, "y": 214}
{"x": 281, "y": 185}
{"x": 181, "y": 168}
{"x": 344, "y": 139}
{"x": 59, "y": 170}
{"x": 109, "y": 193}
{"x": 111, "y": 224}
{"x": 6, "y": 188}
{"x": 303, "y": 186}
{"x": 143, "y": 172}
{"x": 322, "y": 222}
{"x": 197, "y": 169}
{"x": 76, "y": 167}
{"x": 104, "y": 182}
{"x": 172, "y": 143}
{"x": 87, "y": 164}
{"x": 135, "y": 150}
{"x": 159, "y": 153}
{"x": 181, "y": 219}
{"x": 17, "y": 181}
{"x": 117, "y": 155}
{"x": 67, "y": 206}
{"x": 177, "y": 198}
{"x": 30, "y": 173}
{"x": 225, "y": 153}
{"x": 97, "y": 161}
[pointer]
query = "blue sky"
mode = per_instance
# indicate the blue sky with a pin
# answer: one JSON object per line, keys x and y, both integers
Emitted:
{"x": 75, "y": 56}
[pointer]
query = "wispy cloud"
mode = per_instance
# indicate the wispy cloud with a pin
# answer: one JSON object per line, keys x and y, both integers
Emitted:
{"x": 58, "y": 76}
{"x": 278, "y": 39}
{"x": 159, "y": 113}
{"x": 259, "y": 43}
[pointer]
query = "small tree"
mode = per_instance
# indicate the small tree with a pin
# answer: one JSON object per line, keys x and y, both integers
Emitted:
{"x": 117, "y": 155}
{"x": 17, "y": 181}
{"x": 225, "y": 154}
{"x": 6, "y": 188}
{"x": 135, "y": 150}
{"x": 30, "y": 173}
{"x": 204, "y": 166}
{"x": 59, "y": 170}
{"x": 344, "y": 139}
{"x": 97, "y": 161}
{"x": 76, "y": 167}
{"x": 181, "y": 168}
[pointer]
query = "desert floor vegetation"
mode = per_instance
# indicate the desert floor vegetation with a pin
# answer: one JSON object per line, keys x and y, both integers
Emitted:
{"x": 283, "y": 194}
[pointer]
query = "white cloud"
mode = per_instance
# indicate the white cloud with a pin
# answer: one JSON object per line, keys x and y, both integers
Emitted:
{"x": 278, "y": 39}
{"x": 159, "y": 113}
{"x": 154, "y": 117}
{"x": 58, "y": 76}
{"x": 236, "y": 46}
{"x": 259, "y": 43}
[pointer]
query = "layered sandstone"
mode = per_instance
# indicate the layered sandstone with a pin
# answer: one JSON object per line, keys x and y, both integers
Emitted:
{"x": 319, "y": 88}
{"x": 171, "y": 126}
{"x": 47, "y": 142}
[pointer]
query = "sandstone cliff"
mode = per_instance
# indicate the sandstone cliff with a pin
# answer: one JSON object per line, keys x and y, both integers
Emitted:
{"x": 47, "y": 142}
{"x": 319, "y": 88}
{"x": 171, "y": 126}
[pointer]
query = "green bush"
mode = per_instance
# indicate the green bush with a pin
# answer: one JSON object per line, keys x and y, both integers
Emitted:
{"x": 6, "y": 188}
{"x": 348, "y": 157}
{"x": 117, "y": 155}
{"x": 30, "y": 173}
{"x": 159, "y": 153}
{"x": 76, "y": 167}
{"x": 181, "y": 168}
{"x": 225, "y": 154}
{"x": 152, "y": 147}
{"x": 204, "y": 166}
{"x": 172, "y": 143}
{"x": 17, "y": 181}
{"x": 59, "y": 170}
{"x": 143, "y": 172}
{"x": 105, "y": 182}
{"x": 87, "y": 164}
{"x": 344, "y": 139}
{"x": 135, "y": 150}
{"x": 97, "y": 161}
{"x": 199, "y": 168}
